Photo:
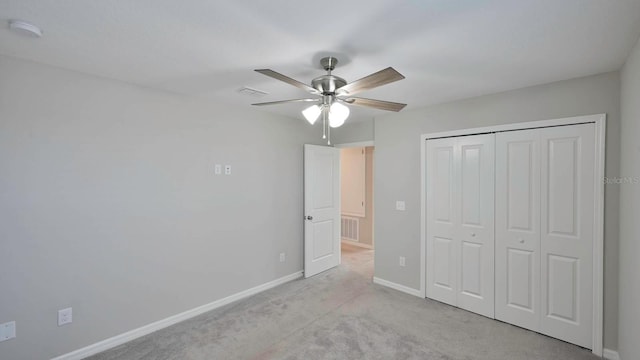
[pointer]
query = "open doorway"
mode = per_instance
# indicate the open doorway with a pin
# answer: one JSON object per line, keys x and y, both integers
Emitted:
{"x": 357, "y": 206}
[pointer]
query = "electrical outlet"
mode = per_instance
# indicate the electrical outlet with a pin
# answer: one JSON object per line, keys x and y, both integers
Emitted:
{"x": 65, "y": 316}
{"x": 400, "y": 206}
{"x": 7, "y": 331}
{"x": 218, "y": 169}
{"x": 282, "y": 257}
{"x": 227, "y": 169}
{"x": 402, "y": 261}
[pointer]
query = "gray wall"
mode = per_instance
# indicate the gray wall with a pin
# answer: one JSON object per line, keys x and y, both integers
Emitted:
{"x": 629, "y": 346}
{"x": 353, "y": 132}
{"x": 109, "y": 204}
{"x": 397, "y": 167}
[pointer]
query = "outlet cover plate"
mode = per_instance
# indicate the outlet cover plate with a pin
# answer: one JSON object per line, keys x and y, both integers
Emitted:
{"x": 7, "y": 331}
{"x": 65, "y": 316}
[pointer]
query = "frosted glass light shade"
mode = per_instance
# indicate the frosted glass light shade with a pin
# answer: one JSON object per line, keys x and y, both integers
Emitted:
{"x": 312, "y": 113}
{"x": 338, "y": 113}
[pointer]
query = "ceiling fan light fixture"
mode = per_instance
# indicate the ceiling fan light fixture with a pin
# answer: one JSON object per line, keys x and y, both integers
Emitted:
{"x": 338, "y": 113}
{"x": 312, "y": 113}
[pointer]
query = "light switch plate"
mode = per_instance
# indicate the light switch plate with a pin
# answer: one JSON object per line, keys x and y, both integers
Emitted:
{"x": 218, "y": 169}
{"x": 400, "y": 205}
{"x": 7, "y": 331}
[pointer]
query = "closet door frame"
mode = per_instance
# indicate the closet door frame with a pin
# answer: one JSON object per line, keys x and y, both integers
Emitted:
{"x": 598, "y": 222}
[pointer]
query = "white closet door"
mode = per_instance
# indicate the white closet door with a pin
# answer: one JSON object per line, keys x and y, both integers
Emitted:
{"x": 517, "y": 244}
{"x": 567, "y": 186}
{"x": 544, "y": 230}
{"x": 460, "y": 196}
{"x": 474, "y": 231}
{"x": 442, "y": 248}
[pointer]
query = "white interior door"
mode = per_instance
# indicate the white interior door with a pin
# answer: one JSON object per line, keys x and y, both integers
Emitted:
{"x": 567, "y": 201}
{"x": 460, "y": 198}
{"x": 476, "y": 223}
{"x": 518, "y": 228}
{"x": 321, "y": 209}
{"x": 441, "y": 246}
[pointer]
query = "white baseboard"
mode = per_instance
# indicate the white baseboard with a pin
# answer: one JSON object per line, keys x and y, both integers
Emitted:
{"x": 404, "y": 289}
{"x": 355, "y": 243}
{"x": 611, "y": 354}
{"x": 171, "y": 320}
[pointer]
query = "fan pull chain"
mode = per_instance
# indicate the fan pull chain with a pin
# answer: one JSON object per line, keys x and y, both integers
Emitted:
{"x": 326, "y": 131}
{"x": 324, "y": 122}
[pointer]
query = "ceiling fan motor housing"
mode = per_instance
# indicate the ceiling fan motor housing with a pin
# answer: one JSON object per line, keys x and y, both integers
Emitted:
{"x": 327, "y": 84}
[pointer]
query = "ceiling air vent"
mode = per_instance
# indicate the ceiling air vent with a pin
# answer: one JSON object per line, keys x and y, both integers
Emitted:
{"x": 252, "y": 92}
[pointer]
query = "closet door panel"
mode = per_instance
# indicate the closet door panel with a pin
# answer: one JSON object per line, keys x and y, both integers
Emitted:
{"x": 567, "y": 167}
{"x": 517, "y": 260}
{"x": 442, "y": 246}
{"x": 475, "y": 229}
{"x": 510, "y": 227}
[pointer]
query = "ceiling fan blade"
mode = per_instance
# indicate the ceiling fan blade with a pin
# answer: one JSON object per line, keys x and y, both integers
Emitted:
{"x": 288, "y": 80}
{"x": 377, "y": 104}
{"x": 379, "y": 78}
{"x": 286, "y": 101}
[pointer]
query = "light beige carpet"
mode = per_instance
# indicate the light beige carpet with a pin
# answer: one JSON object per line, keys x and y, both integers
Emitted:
{"x": 340, "y": 314}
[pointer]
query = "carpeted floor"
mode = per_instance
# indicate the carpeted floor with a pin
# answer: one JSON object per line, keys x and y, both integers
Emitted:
{"x": 340, "y": 314}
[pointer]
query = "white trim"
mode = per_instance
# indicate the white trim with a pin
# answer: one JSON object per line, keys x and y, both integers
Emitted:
{"x": 423, "y": 214}
{"x": 395, "y": 286}
{"x": 516, "y": 126}
{"x": 373, "y": 197}
{"x": 598, "y": 241}
{"x": 171, "y": 320}
{"x": 358, "y": 244}
{"x": 355, "y": 144}
{"x": 611, "y": 354}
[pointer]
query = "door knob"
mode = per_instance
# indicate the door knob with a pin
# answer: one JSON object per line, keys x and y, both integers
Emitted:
{"x": 309, "y": 217}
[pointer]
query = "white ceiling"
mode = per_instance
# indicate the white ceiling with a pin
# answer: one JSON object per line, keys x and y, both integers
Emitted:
{"x": 447, "y": 49}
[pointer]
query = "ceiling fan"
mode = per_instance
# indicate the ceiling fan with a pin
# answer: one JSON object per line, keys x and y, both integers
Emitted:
{"x": 333, "y": 93}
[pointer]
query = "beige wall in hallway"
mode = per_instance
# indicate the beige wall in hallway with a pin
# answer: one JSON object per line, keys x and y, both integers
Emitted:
{"x": 366, "y": 222}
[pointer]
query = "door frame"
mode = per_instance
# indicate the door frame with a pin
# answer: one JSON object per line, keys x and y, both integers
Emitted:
{"x": 600, "y": 121}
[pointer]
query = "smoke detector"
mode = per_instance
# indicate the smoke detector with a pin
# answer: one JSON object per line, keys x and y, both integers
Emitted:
{"x": 25, "y": 28}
